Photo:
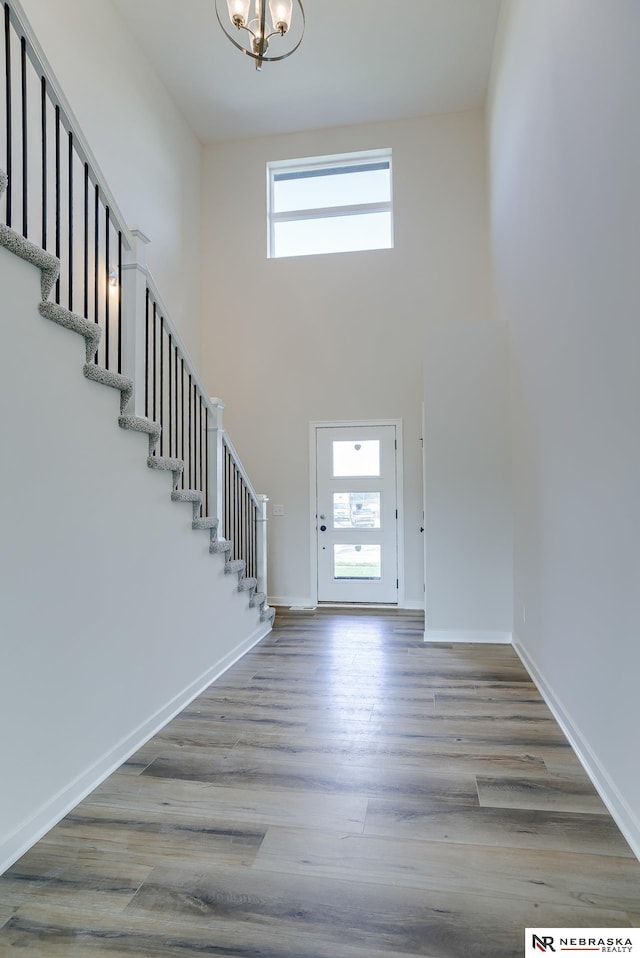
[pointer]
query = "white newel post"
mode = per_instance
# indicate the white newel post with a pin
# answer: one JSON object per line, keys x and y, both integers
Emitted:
{"x": 134, "y": 308}
{"x": 261, "y": 544}
{"x": 215, "y": 432}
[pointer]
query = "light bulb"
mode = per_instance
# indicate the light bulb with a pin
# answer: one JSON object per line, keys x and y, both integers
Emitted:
{"x": 281, "y": 14}
{"x": 238, "y": 11}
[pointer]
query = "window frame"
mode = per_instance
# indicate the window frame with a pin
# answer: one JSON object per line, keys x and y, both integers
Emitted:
{"x": 309, "y": 165}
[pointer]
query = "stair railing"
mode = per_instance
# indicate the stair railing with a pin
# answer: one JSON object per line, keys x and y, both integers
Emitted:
{"x": 57, "y": 196}
{"x": 58, "y": 199}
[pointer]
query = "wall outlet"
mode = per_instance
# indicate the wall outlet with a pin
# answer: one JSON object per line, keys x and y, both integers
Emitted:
{"x": 277, "y": 511}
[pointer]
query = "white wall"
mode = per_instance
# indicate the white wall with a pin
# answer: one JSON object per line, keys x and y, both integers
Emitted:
{"x": 338, "y": 337}
{"x": 148, "y": 153}
{"x": 565, "y": 141}
{"x": 468, "y": 507}
{"x": 112, "y": 612}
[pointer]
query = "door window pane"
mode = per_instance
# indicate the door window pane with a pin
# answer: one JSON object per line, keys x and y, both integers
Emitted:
{"x": 356, "y": 562}
{"x": 356, "y": 510}
{"x": 356, "y": 458}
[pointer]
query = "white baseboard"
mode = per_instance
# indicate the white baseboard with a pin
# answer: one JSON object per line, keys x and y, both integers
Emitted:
{"x": 287, "y": 601}
{"x": 306, "y": 603}
{"x": 473, "y": 635}
{"x": 49, "y": 814}
{"x": 624, "y": 816}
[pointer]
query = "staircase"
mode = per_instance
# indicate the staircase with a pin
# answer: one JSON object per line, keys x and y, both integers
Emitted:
{"x": 115, "y": 610}
{"x": 91, "y": 332}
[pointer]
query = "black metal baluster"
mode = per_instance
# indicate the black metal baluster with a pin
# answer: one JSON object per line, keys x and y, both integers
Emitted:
{"x": 107, "y": 324}
{"x": 225, "y": 493}
{"x": 119, "y": 295}
{"x": 58, "y": 197}
{"x": 146, "y": 356}
{"x": 161, "y": 420}
{"x": 170, "y": 398}
{"x": 70, "y": 237}
{"x": 177, "y": 407}
{"x": 247, "y": 531}
{"x": 241, "y": 515}
{"x": 250, "y": 537}
{"x": 228, "y": 527}
{"x": 240, "y": 520}
{"x": 254, "y": 528}
{"x": 182, "y": 418}
{"x": 255, "y": 538}
{"x": 236, "y": 516}
{"x": 196, "y": 439}
{"x": 9, "y": 121}
{"x": 206, "y": 461}
{"x": 190, "y": 434}
{"x": 155, "y": 353}
{"x": 96, "y": 255}
{"x": 25, "y": 172}
{"x": 85, "y": 301}
{"x": 43, "y": 121}
{"x": 200, "y": 441}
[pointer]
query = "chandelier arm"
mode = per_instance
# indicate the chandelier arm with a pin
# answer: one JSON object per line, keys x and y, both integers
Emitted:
{"x": 262, "y": 58}
{"x": 242, "y": 26}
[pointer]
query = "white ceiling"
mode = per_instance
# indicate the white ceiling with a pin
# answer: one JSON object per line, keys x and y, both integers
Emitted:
{"x": 359, "y": 62}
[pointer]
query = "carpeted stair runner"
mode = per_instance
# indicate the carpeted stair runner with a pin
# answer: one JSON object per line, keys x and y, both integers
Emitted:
{"x": 49, "y": 267}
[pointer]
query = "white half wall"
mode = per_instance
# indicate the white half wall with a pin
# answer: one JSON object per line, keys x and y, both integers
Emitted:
{"x": 565, "y": 140}
{"x": 113, "y": 615}
{"x": 341, "y": 336}
{"x": 467, "y": 483}
{"x": 145, "y": 148}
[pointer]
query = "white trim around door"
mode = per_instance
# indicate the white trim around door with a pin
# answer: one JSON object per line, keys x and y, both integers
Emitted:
{"x": 313, "y": 521}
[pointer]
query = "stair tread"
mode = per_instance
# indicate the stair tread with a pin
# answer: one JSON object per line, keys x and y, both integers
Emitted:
{"x": 246, "y": 585}
{"x": 205, "y": 522}
{"x": 186, "y": 495}
{"x": 76, "y": 323}
{"x": 235, "y": 565}
{"x": 47, "y": 263}
{"x": 165, "y": 462}
{"x": 140, "y": 424}
{"x": 106, "y": 377}
{"x": 221, "y": 545}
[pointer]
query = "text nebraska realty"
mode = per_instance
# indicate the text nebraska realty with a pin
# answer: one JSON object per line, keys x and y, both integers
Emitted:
{"x": 619, "y": 945}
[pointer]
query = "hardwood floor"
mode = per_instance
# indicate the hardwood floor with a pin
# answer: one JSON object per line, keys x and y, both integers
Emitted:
{"x": 344, "y": 791}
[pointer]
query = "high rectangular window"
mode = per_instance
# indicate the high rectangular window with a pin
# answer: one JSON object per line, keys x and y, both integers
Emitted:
{"x": 332, "y": 204}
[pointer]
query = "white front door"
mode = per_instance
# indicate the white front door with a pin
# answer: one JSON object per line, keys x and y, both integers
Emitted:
{"x": 357, "y": 513}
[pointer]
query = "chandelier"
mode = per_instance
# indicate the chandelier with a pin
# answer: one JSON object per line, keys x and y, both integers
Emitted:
{"x": 249, "y": 17}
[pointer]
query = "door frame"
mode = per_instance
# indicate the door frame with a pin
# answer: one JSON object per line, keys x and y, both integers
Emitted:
{"x": 313, "y": 496}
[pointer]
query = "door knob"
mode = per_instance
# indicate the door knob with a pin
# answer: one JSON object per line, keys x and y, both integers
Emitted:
{"x": 323, "y": 528}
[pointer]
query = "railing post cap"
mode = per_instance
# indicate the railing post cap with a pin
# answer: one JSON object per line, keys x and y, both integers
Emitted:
{"x": 141, "y": 237}
{"x": 218, "y": 403}
{"x": 262, "y": 498}
{"x": 139, "y": 243}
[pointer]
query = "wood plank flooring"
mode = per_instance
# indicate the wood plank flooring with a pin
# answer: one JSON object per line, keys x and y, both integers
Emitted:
{"x": 344, "y": 791}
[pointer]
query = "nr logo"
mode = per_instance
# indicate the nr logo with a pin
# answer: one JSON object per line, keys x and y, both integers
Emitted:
{"x": 544, "y": 943}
